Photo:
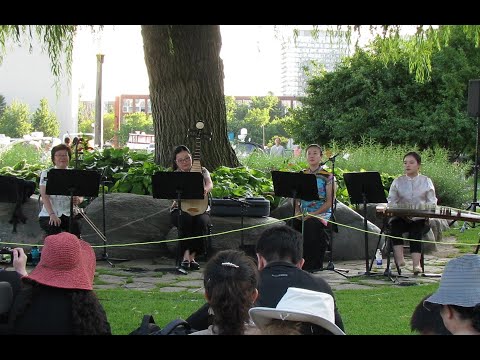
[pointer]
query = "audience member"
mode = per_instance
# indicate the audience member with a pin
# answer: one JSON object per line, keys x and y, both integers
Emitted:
{"x": 58, "y": 297}
{"x": 427, "y": 322}
{"x": 299, "y": 312}
{"x": 279, "y": 253}
{"x": 13, "y": 279}
{"x": 230, "y": 280}
{"x": 277, "y": 149}
{"x": 458, "y": 296}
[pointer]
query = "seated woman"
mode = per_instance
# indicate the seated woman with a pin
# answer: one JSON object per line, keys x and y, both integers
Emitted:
{"x": 58, "y": 297}
{"x": 410, "y": 190}
{"x": 190, "y": 226}
{"x": 231, "y": 281}
{"x": 315, "y": 236}
{"x": 55, "y": 217}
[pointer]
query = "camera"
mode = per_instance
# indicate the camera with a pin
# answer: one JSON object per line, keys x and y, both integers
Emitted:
{"x": 6, "y": 256}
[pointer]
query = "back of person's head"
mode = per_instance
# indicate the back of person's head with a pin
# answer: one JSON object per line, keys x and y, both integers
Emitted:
{"x": 280, "y": 243}
{"x": 231, "y": 281}
{"x": 66, "y": 262}
{"x": 460, "y": 288}
{"x": 427, "y": 321}
{"x": 308, "y": 312}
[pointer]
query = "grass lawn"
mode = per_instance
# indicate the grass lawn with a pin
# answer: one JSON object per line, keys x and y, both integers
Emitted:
{"x": 379, "y": 311}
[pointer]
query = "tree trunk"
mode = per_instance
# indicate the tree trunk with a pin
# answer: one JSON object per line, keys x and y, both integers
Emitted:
{"x": 186, "y": 85}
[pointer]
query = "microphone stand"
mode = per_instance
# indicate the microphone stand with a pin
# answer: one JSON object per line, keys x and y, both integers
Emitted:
{"x": 333, "y": 207}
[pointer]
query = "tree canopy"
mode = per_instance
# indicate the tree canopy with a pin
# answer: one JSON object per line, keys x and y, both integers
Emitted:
{"x": 364, "y": 98}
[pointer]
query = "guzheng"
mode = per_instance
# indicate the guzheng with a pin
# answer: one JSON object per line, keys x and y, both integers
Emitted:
{"x": 442, "y": 212}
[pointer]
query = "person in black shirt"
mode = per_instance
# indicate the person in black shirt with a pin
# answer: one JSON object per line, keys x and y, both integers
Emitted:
{"x": 280, "y": 259}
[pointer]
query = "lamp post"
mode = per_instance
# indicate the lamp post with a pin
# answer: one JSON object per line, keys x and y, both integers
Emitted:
{"x": 98, "y": 104}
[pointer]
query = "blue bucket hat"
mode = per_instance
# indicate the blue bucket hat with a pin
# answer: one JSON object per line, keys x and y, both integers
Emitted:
{"x": 460, "y": 283}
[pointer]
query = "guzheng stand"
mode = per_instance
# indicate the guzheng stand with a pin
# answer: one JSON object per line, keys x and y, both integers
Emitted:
{"x": 363, "y": 188}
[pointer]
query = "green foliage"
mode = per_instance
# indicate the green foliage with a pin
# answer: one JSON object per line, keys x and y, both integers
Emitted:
{"x": 44, "y": 120}
{"x": 108, "y": 126}
{"x": 241, "y": 182}
{"x": 3, "y": 104}
{"x": 364, "y": 98}
{"x": 86, "y": 118}
{"x": 138, "y": 121}
{"x": 15, "y": 120}
{"x": 260, "y": 114}
{"x": 23, "y": 162}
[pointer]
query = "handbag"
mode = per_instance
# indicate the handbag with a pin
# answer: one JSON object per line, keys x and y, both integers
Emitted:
{"x": 174, "y": 327}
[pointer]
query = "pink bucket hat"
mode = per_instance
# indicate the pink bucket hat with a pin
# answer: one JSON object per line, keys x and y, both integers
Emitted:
{"x": 66, "y": 262}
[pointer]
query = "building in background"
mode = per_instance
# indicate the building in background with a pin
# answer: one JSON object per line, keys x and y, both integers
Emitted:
{"x": 26, "y": 77}
{"x": 298, "y": 54}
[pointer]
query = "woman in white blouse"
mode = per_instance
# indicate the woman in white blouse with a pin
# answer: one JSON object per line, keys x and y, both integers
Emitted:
{"x": 411, "y": 190}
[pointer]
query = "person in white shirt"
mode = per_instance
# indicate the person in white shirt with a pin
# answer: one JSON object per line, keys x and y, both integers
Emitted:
{"x": 277, "y": 149}
{"x": 411, "y": 190}
{"x": 55, "y": 217}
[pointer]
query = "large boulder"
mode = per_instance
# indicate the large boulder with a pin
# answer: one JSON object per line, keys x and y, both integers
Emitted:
{"x": 135, "y": 224}
{"x": 349, "y": 242}
{"x": 26, "y": 233}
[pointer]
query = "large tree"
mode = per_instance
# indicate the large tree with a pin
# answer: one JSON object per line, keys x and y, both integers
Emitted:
{"x": 186, "y": 85}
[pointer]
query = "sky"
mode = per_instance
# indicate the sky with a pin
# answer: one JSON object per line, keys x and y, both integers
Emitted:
{"x": 250, "y": 54}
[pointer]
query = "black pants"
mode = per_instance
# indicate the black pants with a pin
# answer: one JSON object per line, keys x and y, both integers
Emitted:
{"x": 64, "y": 226}
{"x": 191, "y": 226}
{"x": 397, "y": 226}
{"x": 315, "y": 242}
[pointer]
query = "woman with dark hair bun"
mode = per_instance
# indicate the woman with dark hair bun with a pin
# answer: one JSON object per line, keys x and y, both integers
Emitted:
{"x": 411, "y": 190}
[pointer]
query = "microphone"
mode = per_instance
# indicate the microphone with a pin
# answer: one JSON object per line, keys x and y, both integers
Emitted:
{"x": 331, "y": 158}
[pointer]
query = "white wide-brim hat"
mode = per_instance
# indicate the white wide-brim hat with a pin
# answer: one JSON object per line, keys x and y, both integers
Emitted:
{"x": 300, "y": 305}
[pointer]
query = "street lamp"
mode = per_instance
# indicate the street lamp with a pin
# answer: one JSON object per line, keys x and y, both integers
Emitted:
{"x": 98, "y": 104}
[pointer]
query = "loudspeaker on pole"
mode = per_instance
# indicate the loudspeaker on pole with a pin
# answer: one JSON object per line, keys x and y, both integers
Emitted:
{"x": 474, "y": 98}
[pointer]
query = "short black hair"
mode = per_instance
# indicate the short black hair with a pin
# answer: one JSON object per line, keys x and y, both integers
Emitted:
{"x": 280, "y": 242}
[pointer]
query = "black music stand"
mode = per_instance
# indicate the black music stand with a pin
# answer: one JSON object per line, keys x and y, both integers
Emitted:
{"x": 178, "y": 185}
{"x": 296, "y": 186}
{"x": 72, "y": 182}
{"x": 363, "y": 188}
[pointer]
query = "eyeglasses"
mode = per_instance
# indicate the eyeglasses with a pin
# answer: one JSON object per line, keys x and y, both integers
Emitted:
{"x": 61, "y": 155}
{"x": 186, "y": 159}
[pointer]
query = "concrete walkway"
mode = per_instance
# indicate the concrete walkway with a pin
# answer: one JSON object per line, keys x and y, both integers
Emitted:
{"x": 160, "y": 274}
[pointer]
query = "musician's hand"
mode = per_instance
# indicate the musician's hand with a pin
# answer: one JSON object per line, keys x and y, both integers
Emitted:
{"x": 54, "y": 220}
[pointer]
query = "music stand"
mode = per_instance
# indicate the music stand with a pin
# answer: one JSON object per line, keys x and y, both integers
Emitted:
{"x": 178, "y": 185}
{"x": 72, "y": 182}
{"x": 363, "y": 188}
{"x": 296, "y": 186}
